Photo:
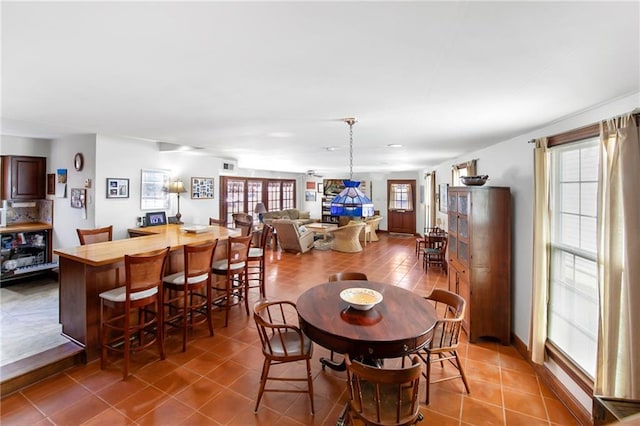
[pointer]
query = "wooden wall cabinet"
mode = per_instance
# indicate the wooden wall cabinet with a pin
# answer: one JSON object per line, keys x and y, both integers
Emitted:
{"x": 479, "y": 255}
{"x": 23, "y": 178}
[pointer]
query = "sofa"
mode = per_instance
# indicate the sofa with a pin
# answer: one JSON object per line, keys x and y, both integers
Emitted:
{"x": 295, "y": 215}
{"x": 292, "y": 237}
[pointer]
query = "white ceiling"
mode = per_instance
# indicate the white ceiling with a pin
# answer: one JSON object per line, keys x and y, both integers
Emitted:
{"x": 264, "y": 82}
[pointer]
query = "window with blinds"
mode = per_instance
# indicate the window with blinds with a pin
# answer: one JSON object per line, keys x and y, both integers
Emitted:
{"x": 573, "y": 298}
{"x": 401, "y": 197}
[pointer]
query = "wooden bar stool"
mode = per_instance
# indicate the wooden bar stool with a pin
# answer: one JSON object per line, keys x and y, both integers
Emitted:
{"x": 257, "y": 265}
{"x": 141, "y": 296}
{"x": 188, "y": 293}
{"x": 98, "y": 235}
{"x": 229, "y": 290}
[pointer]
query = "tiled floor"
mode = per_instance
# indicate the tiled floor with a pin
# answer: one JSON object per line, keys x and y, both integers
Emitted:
{"x": 215, "y": 382}
{"x": 28, "y": 319}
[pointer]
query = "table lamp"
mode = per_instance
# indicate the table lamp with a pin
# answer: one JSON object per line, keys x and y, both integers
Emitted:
{"x": 260, "y": 209}
{"x": 177, "y": 187}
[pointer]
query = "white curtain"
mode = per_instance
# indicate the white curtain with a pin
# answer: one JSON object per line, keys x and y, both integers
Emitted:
{"x": 541, "y": 239}
{"x": 618, "y": 364}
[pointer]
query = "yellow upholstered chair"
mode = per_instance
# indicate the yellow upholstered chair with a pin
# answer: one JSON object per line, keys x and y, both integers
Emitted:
{"x": 347, "y": 238}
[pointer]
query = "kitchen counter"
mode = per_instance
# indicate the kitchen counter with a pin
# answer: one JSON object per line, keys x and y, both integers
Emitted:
{"x": 25, "y": 227}
{"x": 86, "y": 271}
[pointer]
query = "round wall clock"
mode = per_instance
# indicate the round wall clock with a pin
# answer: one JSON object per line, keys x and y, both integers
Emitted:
{"x": 78, "y": 161}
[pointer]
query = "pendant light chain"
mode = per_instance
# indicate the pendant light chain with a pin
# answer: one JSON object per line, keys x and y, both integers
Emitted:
{"x": 350, "y": 121}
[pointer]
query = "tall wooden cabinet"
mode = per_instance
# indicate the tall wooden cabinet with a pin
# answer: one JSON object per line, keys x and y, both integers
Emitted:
{"x": 479, "y": 255}
{"x": 23, "y": 178}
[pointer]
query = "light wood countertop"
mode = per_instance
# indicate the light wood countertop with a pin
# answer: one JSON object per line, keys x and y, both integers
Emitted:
{"x": 159, "y": 237}
{"x": 25, "y": 227}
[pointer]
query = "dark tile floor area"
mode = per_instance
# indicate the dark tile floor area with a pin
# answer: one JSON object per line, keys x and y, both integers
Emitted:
{"x": 216, "y": 381}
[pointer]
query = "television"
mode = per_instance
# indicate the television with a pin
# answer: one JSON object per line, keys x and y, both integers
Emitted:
{"x": 155, "y": 218}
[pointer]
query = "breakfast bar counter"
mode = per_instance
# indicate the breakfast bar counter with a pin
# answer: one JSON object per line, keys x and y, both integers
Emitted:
{"x": 86, "y": 271}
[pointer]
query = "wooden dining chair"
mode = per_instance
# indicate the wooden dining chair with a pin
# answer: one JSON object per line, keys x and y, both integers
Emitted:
{"x": 382, "y": 396}
{"x": 436, "y": 251}
{"x": 245, "y": 226}
{"x": 446, "y": 337}
{"x": 282, "y": 342}
{"x": 214, "y": 221}
{"x": 141, "y": 298}
{"x": 188, "y": 293}
{"x": 345, "y": 276}
{"x": 98, "y": 235}
{"x": 231, "y": 273}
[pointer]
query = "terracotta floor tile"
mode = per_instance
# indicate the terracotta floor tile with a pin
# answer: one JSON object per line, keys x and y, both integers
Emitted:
{"x": 176, "y": 380}
{"x": 14, "y": 402}
{"x": 121, "y": 390}
{"x": 482, "y": 371}
{"x": 198, "y": 419}
{"x": 522, "y": 382}
{"x": 204, "y": 363}
{"x": 558, "y": 413}
{"x": 525, "y": 403}
{"x": 485, "y": 392}
{"x": 170, "y": 412}
{"x": 80, "y": 411}
{"x": 446, "y": 403}
{"x": 519, "y": 419}
{"x": 197, "y": 394}
{"x": 483, "y": 354}
{"x": 51, "y": 403}
{"x": 25, "y": 414}
{"x": 435, "y": 418}
{"x": 100, "y": 379}
{"x": 226, "y": 405}
{"x": 142, "y": 402}
{"x": 480, "y": 413}
{"x": 110, "y": 417}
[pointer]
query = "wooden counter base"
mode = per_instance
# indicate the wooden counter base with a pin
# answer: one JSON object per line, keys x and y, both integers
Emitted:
{"x": 86, "y": 271}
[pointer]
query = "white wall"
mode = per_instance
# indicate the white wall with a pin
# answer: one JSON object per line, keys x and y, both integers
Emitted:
{"x": 65, "y": 218}
{"x": 16, "y": 145}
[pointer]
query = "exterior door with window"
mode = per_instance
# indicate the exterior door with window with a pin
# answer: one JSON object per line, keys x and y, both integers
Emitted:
{"x": 401, "y": 213}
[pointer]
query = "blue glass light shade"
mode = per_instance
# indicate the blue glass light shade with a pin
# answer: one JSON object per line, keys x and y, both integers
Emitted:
{"x": 351, "y": 201}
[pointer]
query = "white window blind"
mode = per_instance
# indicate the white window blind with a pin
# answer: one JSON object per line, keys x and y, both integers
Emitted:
{"x": 573, "y": 300}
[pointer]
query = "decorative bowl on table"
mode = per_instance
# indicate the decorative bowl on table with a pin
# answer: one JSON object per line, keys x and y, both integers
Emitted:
{"x": 361, "y": 299}
{"x": 474, "y": 180}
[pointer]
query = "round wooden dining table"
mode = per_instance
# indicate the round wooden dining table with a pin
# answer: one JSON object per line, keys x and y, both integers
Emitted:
{"x": 400, "y": 324}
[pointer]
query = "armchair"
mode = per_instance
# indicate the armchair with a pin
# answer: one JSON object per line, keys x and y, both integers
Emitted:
{"x": 291, "y": 237}
{"x": 347, "y": 238}
{"x": 374, "y": 223}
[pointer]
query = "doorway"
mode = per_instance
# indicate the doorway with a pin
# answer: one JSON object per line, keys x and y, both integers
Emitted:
{"x": 401, "y": 212}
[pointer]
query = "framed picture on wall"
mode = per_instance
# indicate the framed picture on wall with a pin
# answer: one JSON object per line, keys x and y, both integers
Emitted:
{"x": 310, "y": 195}
{"x": 117, "y": 188}
{"x": 444, "y": 195}
{"x": 201, "y": 188}
{"x": 78, "y": 197}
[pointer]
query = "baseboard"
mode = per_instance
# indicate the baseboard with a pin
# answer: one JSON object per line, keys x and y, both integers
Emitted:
{"x": 27, "y": 371}
{"x": 580, "y": 413}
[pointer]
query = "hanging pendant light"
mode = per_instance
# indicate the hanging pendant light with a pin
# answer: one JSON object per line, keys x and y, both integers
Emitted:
{"x": 351, "y": 201}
